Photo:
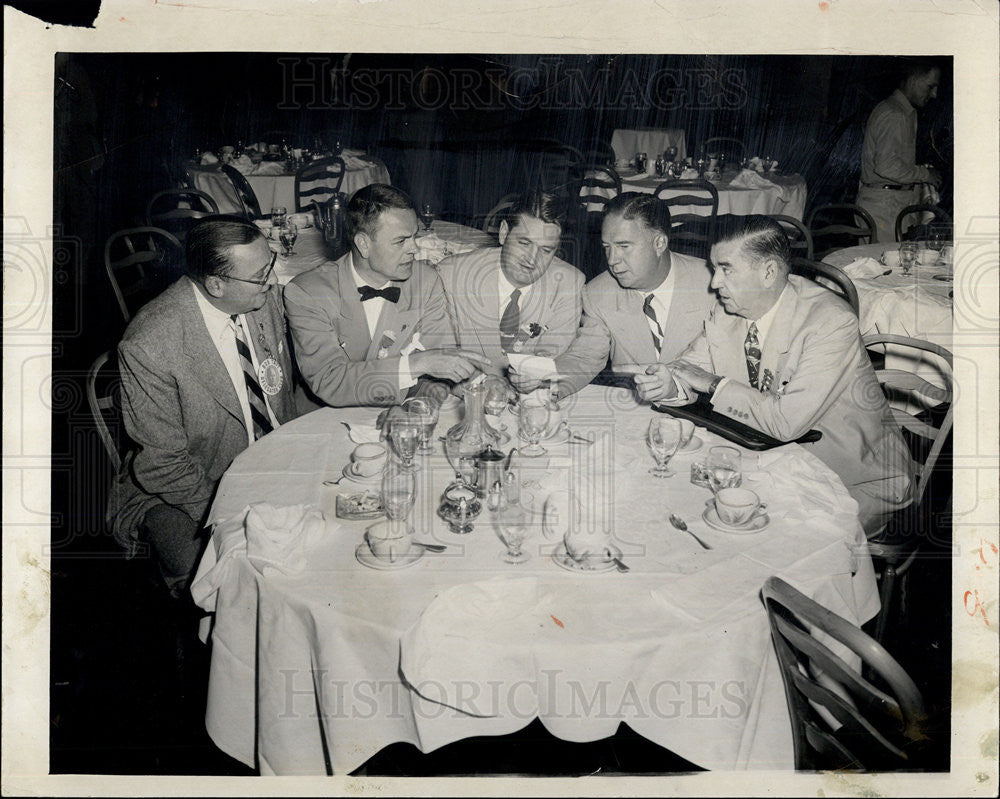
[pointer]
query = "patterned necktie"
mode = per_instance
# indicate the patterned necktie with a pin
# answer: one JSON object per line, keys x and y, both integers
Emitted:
{"x": 258, "y": 407}
{"x": 368, "y": 293}
{"x": 655, "y": 330}
{"x": 510, "y": 321}
{"x": 752, "y": 348}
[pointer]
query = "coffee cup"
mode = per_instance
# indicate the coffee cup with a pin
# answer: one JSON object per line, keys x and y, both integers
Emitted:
{"x": 368, "y": 459}
{"x": 891, "y": 258}
{"x": 736, "y": 506}
{"x": 388, "y": 540}
{"x": 584, "y": 545}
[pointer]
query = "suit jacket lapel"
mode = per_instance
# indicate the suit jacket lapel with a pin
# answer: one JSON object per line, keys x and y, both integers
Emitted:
{"x": 630, "y": 329}
{"x": 479, "y": 320}
{"x": 778, "y": 339}
{"x": 726, "y": 335}
{"x": 354, "y": 338}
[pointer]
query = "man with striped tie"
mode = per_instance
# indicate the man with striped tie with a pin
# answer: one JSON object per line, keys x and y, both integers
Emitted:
{"x": 205, "y": 372}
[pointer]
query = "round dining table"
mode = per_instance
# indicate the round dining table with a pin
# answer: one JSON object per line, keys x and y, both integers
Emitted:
{"x": 322, "y": 656}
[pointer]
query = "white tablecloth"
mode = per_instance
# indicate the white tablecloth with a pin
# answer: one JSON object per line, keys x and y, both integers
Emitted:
{"x": 627, "y": 142}
{"x": 306, "y": 669}
{"x": 787, "y": 196}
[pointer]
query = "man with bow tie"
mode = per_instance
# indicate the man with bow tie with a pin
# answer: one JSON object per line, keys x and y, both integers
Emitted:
{"x": 205, "y": 371}
{"x": 784, "y": 355}
{"x": 366, "y": 327}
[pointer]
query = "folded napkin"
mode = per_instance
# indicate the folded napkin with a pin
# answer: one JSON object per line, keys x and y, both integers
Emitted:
{"x": 243, "y": 164}
{"x": 269, "y": 168}
{"x": 278, "y": 539}
{"x": 434, "y": 249}
{"x": 355, "y": 161}
{"x": 864, "y": 268}
{"x": 363, "y": 433}
{"x": 689, "y": 174}
{"x": 532, "y": 366}
{"x": 349, "y": 151}
{"x": 757, "y": 164}
{"x": 748, "y": 179}
{"x": 208, "y": 158}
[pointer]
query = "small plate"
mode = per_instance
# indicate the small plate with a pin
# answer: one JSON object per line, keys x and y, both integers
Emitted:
{"x": 755, "y": 525}
{"x": 365, "y": 557}
{"x": 561, "y": 437}
{"x": 944, "y": 277}
{"x": 562, "y": 558}
{"x": 694, "y": 445}
{"x": 351, "y": 473}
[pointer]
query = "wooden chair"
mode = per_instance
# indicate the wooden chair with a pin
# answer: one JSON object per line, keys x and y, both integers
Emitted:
{"x": 493, "y": 219}
{"x": 734, "y": 149}
{"x": 840, "y": 720}
{"x": 832, "y": 277}
{"x": 799, "y": 237}
{"x": 177, "y": 210}
{"x": 318, "y": 181}
{"x": 692, "y": 234}
{"x": 940, "y": 218}
{"x": 104, "y": 399}
{"x": 244, "y": 192}
{"x": 596, "y": 176}
{"x": 839, "y": 225}
{"x": 140, "y": 263}
{"x": 897, "y": 544}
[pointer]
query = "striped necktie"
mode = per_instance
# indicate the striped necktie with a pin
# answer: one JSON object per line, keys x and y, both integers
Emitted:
{"x": 752, "y": 348}
{"x": 258, "y": 406}
{"x": 655, "y": 330}
{"x": 510, "y": 321}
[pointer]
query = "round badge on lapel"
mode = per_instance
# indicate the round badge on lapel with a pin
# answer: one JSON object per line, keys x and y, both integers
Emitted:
{"x": 270, "y": 376}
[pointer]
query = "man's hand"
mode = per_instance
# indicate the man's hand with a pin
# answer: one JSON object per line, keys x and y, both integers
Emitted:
{"x": 449, "y": 364}
{"x": 522, "y": 383}
{"x": 654, "y": 383}
{"x": 934, "y": 177}
{"x": 700, "y": 380}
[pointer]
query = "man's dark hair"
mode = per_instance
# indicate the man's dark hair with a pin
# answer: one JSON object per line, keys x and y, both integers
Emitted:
{"x": 654, "y": 213}
{"x": 369, "y": 203}
{"x": 209, "y": 242}
{"x": 762, "y": 237}
{"x": 915, "y": 68}
{"x": 549, "y": 208}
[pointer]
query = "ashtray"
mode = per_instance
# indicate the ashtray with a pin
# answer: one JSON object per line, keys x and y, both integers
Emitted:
{"x": 359, "y": 506}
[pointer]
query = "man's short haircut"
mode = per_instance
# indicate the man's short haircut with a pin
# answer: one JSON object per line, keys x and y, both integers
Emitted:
{"x": 915, "y": 68}
{"x": 369, "y": 203}
{"x": 549, "y": 208}
{"x": 653, "y": 213}
{"x": 761, "y": 236}
{"x": 210, "y": 241}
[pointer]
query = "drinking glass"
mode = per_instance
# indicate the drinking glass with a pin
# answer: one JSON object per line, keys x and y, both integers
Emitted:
{"x": 937, "y": 237}
{"x": 399, "y": 492}
{"x": 534, "y": 418}
{"x": 278, "y": 216}
{"x": 287, "y": 234}
{"x": 425, "y": 411}
{"x": 907, "y": 256}
{"x": 405, "y": 435}
{"x": 428, "y": 216}
{"x": 724, "y": 468}
{"x": 512, "y": 523}
{"x": 466, "y": 469}
{"x": 671, "y": 154}
{"x": 494, "y": 403}
{"x": 663, "y": 437}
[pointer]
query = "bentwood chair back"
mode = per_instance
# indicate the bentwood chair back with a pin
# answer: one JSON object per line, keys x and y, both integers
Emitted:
{"x": 691, "y": 233}
{"x": 140, "y": 263}
{"x": 840, "y": 720}
{"x": 839, "y": 225}
{"x": 497, "y": 214}
{"x": 104, "y": 399}
{"x": 604, "y": 179}
{"x": 832, "y": 277}
{"x": 318, "y": 181}
{"x": 177, "y": 210}
{"x": 799, "y": 237}
{"x": 244, "y": 192}
{"x": 897, "y": 545}
{"x": 939, "y": 218}
{"x": 734, "y": 149}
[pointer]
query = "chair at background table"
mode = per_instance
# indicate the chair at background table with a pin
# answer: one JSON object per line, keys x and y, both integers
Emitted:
{"x": 588, "y": 206}
{"x": 104, "y": 399}
{"x": 841, "y": 720}
{"x": 898, "y": 543}
{"x": 553, "y": 167}
{"x": 939, "y": 217}
{"x": 177, "y": 210}
{"x": 799, "y": 237}
{"x": 496, "y": 215}
{"x": 600, "y": 153}
{"x": 318, "y": 181}
{"x": 140, "y": 263}
{"x": 244, "y": 192}
{"x": 734, "y": 148}
{"x": 692, "y": 234}
{"x": 839, "y": 225}
{"x": 832, "y": 277}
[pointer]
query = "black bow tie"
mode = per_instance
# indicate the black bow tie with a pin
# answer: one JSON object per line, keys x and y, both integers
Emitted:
{"x": 367, "y": 293}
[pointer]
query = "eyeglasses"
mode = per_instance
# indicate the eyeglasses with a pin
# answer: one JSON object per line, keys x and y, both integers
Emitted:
{"x": 263, "y": 281}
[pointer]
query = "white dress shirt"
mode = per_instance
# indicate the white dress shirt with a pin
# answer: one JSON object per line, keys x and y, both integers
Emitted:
{"x": 538, "y": 367}
{"x": 663, "y": 296}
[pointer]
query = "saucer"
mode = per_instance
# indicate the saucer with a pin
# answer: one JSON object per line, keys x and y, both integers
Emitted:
{"x": 351, "y": 473}
{"x": 755, "y": 525}
{"x": 365, "y": 557}
{"x": 694, "y": 445}
{"x": 561, "y": 437}
{"x": 562, "y": 558}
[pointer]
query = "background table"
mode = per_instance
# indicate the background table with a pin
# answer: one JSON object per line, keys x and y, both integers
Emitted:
{"x": 306, "y": 668}
{"x": 626, "y": 142}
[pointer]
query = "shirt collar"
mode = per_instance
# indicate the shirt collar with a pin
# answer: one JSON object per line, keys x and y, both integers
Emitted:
{"x": 218, "y": 322}
{"x": 358, "y": 281}
{"x": 664, "y": 291}
{"x": 506, "y": 287}
{"x": 901, "y": 99}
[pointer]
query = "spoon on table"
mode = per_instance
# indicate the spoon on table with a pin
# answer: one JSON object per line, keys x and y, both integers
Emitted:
{"x": 431, "y": 547}
{"x": 680, "y": 524}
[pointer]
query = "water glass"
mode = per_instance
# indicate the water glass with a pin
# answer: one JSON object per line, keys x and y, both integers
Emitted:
{"x": 534, "y": 418}
{"x": 663, "y": 437}
{"x": 512, "y": 522}
{"x": 907, "y": 256}
{"x": 287, "y": 234}
{"x": 399, "y": 492}
{"x": 495, "y": 401}
{"x": 425, "y": 411}
{"x": 724, "y": 467}
{"x": 278, "y": 216}
{"x": 405, "y": 436}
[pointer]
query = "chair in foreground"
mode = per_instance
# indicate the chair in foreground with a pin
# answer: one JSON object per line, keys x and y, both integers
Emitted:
{"x": 318, "y": 181}
{"x": 140, "y": 263}
{"x": 897, "y": 545}
{"x": 839, "y": 719}
{"x": 691, "y": 233}
{"x": 839, "y": 225}
{"x": 832, "y": 277}
{"x": 104, "y": 399}
{"x": 799, "y": 237}
{"x": 244, "y": 192}
{"x": 939, "y": 218}
{"x": 177, "y": 210}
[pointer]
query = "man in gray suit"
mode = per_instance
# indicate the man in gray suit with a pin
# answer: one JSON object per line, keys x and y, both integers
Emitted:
{"x": 205, "y": 371}
{"x": 647, "y": 307}
{"x": 368, "y": 326}
{"x": 784, "y": 355}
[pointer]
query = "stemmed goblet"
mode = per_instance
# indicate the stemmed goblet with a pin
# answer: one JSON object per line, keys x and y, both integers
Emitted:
{"x": 405, "y": 436}
{"x": 425, "y": 411}
{"x": 663, "y": 438}
{"x": 907, "y": 256}
{"x": 428, "y": 216}
{"x": 494, "y": 402}
{"x": 288, "y": 233}
{"x": 534, "y": 418}
{"x": 512, "y": 522}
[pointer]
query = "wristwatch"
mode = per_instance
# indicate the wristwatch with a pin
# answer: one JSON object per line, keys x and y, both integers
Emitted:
{"x": 713, "y": 385}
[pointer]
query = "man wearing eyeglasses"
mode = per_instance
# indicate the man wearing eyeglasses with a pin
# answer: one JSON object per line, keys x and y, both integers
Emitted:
{"x": 205, "y": 371}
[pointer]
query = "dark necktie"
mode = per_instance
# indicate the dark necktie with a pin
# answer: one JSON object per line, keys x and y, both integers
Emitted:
{"x": 258, "y": 407}
{"x": 368, "y": 293}
{"x": 656, "y": 331}
{"x": 752, "y": 348}
{"x": 510, "y": 322}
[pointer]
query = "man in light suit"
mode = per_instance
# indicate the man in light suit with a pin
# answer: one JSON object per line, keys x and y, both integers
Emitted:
{"x": 368, "y": 326}
{"x": 784, "y": 355}
{"x": 205, "y": 371}
{"x": 517, "y": 304}
{"x": 648, "y": 306}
